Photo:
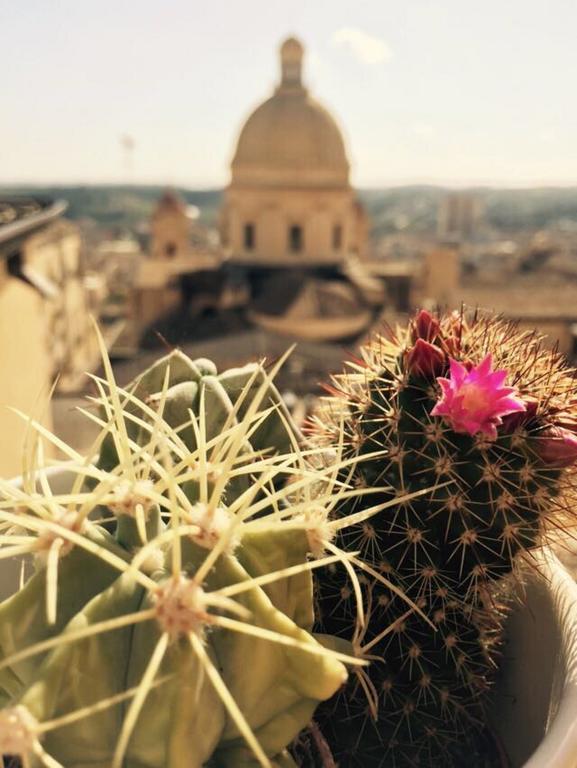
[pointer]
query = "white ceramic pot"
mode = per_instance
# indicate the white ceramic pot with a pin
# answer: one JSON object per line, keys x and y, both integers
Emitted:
{"x": 535, "y": 701}
{"x": 535, "y": 710}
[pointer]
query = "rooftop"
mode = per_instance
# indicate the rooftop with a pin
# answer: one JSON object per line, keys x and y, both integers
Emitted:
{"x": 531, "y": 298}
{"x": 309, "y": 364}
{"x": 21, "y": 216}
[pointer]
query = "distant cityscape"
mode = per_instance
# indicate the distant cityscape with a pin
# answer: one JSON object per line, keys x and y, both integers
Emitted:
{"x": 413, "y": 209}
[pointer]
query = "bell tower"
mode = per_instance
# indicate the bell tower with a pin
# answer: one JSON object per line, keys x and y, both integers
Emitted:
{"x": 170, "y": 228}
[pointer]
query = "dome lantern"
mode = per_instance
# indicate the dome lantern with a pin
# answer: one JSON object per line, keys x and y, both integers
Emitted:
{"x": 291, "y": 59}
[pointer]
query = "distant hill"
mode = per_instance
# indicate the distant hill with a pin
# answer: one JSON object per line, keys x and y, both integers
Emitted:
{"x": 411, "y": 208}
{"x": 119, "y": 206}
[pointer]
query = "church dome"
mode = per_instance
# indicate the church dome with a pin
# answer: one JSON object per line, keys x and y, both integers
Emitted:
{"x": 290, "y": 139}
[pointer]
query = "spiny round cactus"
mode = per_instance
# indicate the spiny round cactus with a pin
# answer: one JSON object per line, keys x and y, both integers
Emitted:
{"x": 484, "y": 416}
{"x": 168, "y": 621}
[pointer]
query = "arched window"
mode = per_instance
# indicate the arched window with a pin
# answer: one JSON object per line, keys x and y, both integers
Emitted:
{"x": 295, "y": 237}
{"x": 249, "y": 237}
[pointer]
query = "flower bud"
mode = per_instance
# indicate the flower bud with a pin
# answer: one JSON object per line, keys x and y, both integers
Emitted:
{"x": 425, "y": 359}
{"x": 557, "y": 447}
{"x": 425, "y": 326}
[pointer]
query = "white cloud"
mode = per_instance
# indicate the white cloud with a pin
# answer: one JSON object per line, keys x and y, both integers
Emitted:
{"x": 368, "y": 49}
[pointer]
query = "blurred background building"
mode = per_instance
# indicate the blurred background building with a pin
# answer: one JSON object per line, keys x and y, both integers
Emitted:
{"x": 293, "y": 237}
{"x": 460, "y": 217}
{"x": 289, "y": 201}
{"x": 47, "y": 298}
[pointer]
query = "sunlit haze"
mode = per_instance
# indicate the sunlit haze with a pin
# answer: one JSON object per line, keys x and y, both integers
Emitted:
{"x": 440, "y": 91}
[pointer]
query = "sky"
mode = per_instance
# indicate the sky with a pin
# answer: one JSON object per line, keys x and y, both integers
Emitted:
{"x": 456, "y": 92}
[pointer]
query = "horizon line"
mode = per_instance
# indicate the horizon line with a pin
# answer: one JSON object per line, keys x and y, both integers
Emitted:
{"x": 370, "y": 186}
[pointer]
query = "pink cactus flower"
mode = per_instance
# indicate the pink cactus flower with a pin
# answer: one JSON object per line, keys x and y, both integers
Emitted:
{"x": 557, "y": 447}
{"x": 425, "y": 359}
{"x": 475, "y": 400}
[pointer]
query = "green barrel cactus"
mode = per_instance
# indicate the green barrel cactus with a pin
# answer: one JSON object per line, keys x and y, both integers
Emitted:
{"x": 168, "y": 621}
{"x": 481, "y": 419}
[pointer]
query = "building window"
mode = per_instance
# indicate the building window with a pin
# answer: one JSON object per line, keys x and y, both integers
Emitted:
{"x": 295, "y": 238}
{"x": 170, "y": 250}
{"x": 249, "y": 237}
{"x": 337, "y": 237}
